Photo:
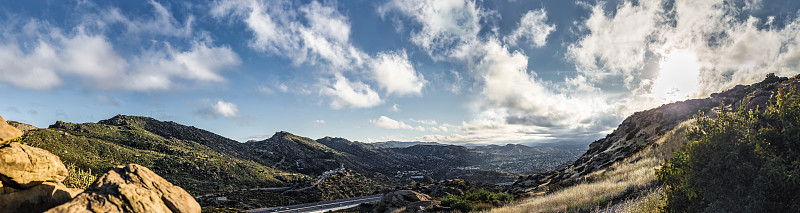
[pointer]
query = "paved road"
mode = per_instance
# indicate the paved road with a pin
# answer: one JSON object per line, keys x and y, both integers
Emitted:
{"x": 323, "y": 206}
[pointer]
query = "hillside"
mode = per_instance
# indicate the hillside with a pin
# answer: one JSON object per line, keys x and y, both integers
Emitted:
{"x": 297, "y": 154}
{"x": 97, "y": 147}
{"x": 620, "y": 167}
{"x": 641, "y": 130}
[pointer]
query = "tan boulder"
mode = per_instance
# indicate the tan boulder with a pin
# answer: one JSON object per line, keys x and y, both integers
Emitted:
{"x": 131, "y": 188}
{"x": 7, "y": 132}
{"x": 35, "y": 199}
{"x": 402, "y": 198}
{"x": 24, "y": 166}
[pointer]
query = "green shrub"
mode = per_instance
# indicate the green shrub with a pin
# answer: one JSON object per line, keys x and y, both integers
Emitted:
{"x": 78, "y": 178}
{"x": 472, "y": 198}
{"x": 740, "y": 161}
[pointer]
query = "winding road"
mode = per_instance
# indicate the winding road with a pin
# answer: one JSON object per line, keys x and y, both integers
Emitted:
{"x": 325, "y": 206}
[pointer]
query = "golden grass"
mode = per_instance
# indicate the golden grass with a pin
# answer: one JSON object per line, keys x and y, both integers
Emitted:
{"x": 636, "y": 172}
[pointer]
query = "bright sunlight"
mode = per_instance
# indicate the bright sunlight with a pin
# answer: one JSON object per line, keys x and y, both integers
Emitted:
{"x": 677, "y": 77}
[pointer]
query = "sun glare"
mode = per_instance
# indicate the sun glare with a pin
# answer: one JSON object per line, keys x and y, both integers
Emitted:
{"x": 677, "y": 76}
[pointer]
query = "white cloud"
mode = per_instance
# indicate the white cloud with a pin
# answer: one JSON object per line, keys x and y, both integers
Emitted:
{"x": 726, "y": 44}
{"x": 388, "y": 123}
{"x": 157, "y": 69}
{"x": 163, "y": 23}
{"x": 306, "y": 34}
{"x": 532, "y": 27}
{"x": 426, "y": 122}
{"x": 219, "y": 108}
{"x": 445, "y": 23}
{"x": 617, "y": 43}
{"x": 319, "y": 121}
{"x": 395, "y": 74}
{"x": 395, "y": 108}
{"x": 226, "y": 109}
{"x": 41, "y": 56}
{"x": 346, "y": 94}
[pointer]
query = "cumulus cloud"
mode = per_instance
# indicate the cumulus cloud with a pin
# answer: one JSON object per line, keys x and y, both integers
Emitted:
{"x": 444, "y": 23}
{"x": 156, "y": 69}
{"x": 388, "y": 123}
{"x": 219, "y": 108}
{"x": 346, "y": 94}
{"x": 617, "y": 43}
{"x": 532, "y": 27}
{"x": 40, "y": 56}
{"x": 310, "y": 33}
{"x": 725, "y": 43}
{"x": 395, "y": 74}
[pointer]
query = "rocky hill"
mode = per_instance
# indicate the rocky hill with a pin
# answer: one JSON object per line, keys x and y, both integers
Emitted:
{"x": 181, "y": 159}
{"x": 297, "y": 154}
{"x": 642, "y": 129}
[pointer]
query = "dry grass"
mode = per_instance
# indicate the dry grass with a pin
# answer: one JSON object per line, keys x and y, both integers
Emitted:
{"x": 636, "y": 172}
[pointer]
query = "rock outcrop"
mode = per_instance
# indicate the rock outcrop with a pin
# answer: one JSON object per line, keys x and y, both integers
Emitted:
{"x": 7, "y": 132}
{"x": 410, "y": 200}
{"x": 23, "y": 166}
{"x": 131, "y": 188}
{"x": 30, "y": 178}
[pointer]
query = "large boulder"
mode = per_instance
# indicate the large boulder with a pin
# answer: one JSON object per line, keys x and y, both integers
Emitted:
{"x": 23, "y": 166}
{"x": 131, "y": 188}
{"x": 35, "y": 199}
{"x": 402, "y": 198}
{"x": 7, "y": 132}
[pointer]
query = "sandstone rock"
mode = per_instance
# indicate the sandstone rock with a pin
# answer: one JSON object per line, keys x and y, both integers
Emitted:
{"x": 131, "y": 188}
{"x": 402, "y": 198}
{"x": 7, "y": 132}
{"x": 36, "y": 199}
{"x": 23, "y": 166}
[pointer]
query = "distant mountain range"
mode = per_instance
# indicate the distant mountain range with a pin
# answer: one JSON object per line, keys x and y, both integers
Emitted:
{"x": 206, "y": 163}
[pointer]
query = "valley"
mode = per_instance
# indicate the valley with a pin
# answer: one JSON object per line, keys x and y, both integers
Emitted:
{"x": 284, "y": 169}
{"x": 620, "y": 172}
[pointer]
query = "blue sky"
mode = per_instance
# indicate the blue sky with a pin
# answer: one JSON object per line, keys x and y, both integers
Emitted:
{"x": 451, "y": 71}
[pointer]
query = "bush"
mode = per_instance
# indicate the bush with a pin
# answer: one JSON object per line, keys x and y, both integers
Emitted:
{"x": 78, "y": 178}
{"x": 741, "y": 161}
{"x": 472, "y": 198}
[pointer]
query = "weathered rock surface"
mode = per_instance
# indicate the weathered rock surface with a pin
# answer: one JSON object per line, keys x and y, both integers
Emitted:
{"x": 403, "y": 198}
{"x": 35, "y": 199}
{"x": 131, "y": 188}
{"x": 7, "y": 132}
{"x": 23, "y": 166}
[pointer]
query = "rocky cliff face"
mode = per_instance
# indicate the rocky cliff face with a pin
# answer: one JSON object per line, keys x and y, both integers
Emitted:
{"x": 642, "y": 129}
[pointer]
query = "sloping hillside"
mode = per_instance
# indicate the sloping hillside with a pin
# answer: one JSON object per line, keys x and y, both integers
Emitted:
{"x": 641, "y": 130}
{"x": 192, "y": 165}
{"x": 297, "y": 154}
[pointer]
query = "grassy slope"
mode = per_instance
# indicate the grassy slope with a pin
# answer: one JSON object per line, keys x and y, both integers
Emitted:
{"x": 634, "y": 173}
{"x": 188, "y": 164}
